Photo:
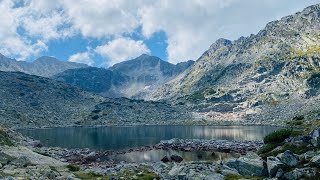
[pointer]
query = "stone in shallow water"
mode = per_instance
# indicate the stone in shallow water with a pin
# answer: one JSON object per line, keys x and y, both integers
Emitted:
{"x": 176, "y": 158}
{"x": 165, "y": 159}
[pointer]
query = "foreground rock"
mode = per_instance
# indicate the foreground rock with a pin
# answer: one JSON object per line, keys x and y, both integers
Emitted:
{"x": 274, "y": 166}
{"x": 249, "y": 165}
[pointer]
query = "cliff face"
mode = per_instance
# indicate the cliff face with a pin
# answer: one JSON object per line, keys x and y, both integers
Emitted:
{"x": 273, "y": 72}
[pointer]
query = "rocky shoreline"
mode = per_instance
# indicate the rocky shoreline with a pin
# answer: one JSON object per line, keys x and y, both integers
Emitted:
{"x": 296, "y": 157}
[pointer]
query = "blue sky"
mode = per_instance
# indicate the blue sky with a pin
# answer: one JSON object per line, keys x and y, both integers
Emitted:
{"x": 104, "y": 32}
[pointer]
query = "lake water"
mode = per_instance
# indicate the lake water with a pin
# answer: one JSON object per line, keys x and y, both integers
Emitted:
{"x": 119, "y": 137}
{"x": 157, "y": 155}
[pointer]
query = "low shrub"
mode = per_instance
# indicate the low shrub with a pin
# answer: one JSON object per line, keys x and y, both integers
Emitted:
{"x": 4, "y": 138}
{"x": 278, "y": 136}
{"x": 73, "y": 167}
{"x": 267, "y": 148}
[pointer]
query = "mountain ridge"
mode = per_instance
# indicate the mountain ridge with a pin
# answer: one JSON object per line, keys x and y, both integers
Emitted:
{"x": 250, "y": 77}
{"x": 134, "y": 78}
{"x": 44, "y": 66}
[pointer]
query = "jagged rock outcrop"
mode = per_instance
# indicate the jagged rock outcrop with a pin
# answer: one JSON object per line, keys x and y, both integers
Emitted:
{"x": 262, "y": 78}
{"x": 44, "y": 66}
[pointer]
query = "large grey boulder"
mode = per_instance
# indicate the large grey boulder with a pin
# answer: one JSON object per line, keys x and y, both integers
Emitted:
{"x": 315, "y": 161}
{"x": 5, "y": 159}
{"x": 21, "y": 162}
{"x": 273, "y": 165}
{"x": 248, "y": 165}
{"x": 288, "y": 158}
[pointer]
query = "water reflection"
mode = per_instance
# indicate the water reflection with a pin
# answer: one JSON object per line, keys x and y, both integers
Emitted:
{"x": 157, "y": 155}
{"x": 108, "y": 138}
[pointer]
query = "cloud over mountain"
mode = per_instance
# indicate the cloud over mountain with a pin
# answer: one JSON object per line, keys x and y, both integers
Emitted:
{"x": 28, "y": 27}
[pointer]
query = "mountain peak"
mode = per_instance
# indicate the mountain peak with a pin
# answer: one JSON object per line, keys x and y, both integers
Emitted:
{"x": 46, "y": 59}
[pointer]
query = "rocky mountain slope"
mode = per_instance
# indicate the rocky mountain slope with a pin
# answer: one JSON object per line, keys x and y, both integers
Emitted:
{"x": 33, "y": 101}
{"x": 43, "y": 66}
{"x": 133, "y": 79}
{"x": 269, "y": 76}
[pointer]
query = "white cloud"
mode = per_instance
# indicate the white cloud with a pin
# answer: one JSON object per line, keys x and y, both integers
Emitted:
{"x": 190, "y": 26}
{"x": 121, "y": 49}
{"x": 193, "y": 26}
{"x": 25, "y": 29}
{"x": 81, "y": 58}
{"x": 103, "y": 18}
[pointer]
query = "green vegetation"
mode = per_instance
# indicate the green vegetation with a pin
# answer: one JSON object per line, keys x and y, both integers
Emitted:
{"x": 73, "y": 167}
{"x": 267, "y": 148}
{"x": 90, "y": 175}
{"x": 142, "y": 173}
{"x": 311, "y": 50}
{"x": 197, "y": 95}
{"x": 148, "y": 176}
{"x": 276, "y": 139}
{"x": 4, "y": 138}
{"x": 237, "y": 177}
{"x": 278, "y": 136}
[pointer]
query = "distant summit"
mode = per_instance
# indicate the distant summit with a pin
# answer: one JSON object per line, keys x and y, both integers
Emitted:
{"x": 135, "y": 78}
{"x": 44, "y": 66}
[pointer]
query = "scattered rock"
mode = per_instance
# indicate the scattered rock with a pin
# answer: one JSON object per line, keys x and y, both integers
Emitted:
{"x": 21, "y": 162}
{"x": 214, "y": 176}
{"x": 273, "y": 165}
{"x": 5, "y": 159}
{"x": 315, "y": 161}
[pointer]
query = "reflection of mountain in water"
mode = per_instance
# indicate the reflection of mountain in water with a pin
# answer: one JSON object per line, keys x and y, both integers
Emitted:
{"x": 157, "y": 155}
{"x": 108, "y": 138}
{"x": 232, "y": 132}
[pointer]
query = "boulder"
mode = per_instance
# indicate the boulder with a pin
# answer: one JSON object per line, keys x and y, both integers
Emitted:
{"x": 225, "y": 170}
{"x": 288, "y": 158}
{"x": 176, "y": 158}
{"x": 309, "y": 155}
{"x": 315, "y": 161}
{"x": 214, "y": 176}
{"x": 165, "y": 159}
{"x": 176, "y": 169}
{"x": 248, "y": 166}
{"x": 315, "y": 135}
{"x": 273, "y": 165}
{"x": 279, "y": 174}
{"x": 5, "y": 159}
{"x": 21, "y": 162}
{"x": 91, "y": 157}
{"x": 35, "y": 143}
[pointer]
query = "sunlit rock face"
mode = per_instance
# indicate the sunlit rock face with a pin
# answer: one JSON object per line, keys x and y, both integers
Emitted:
{"x": 263, "y": 78}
